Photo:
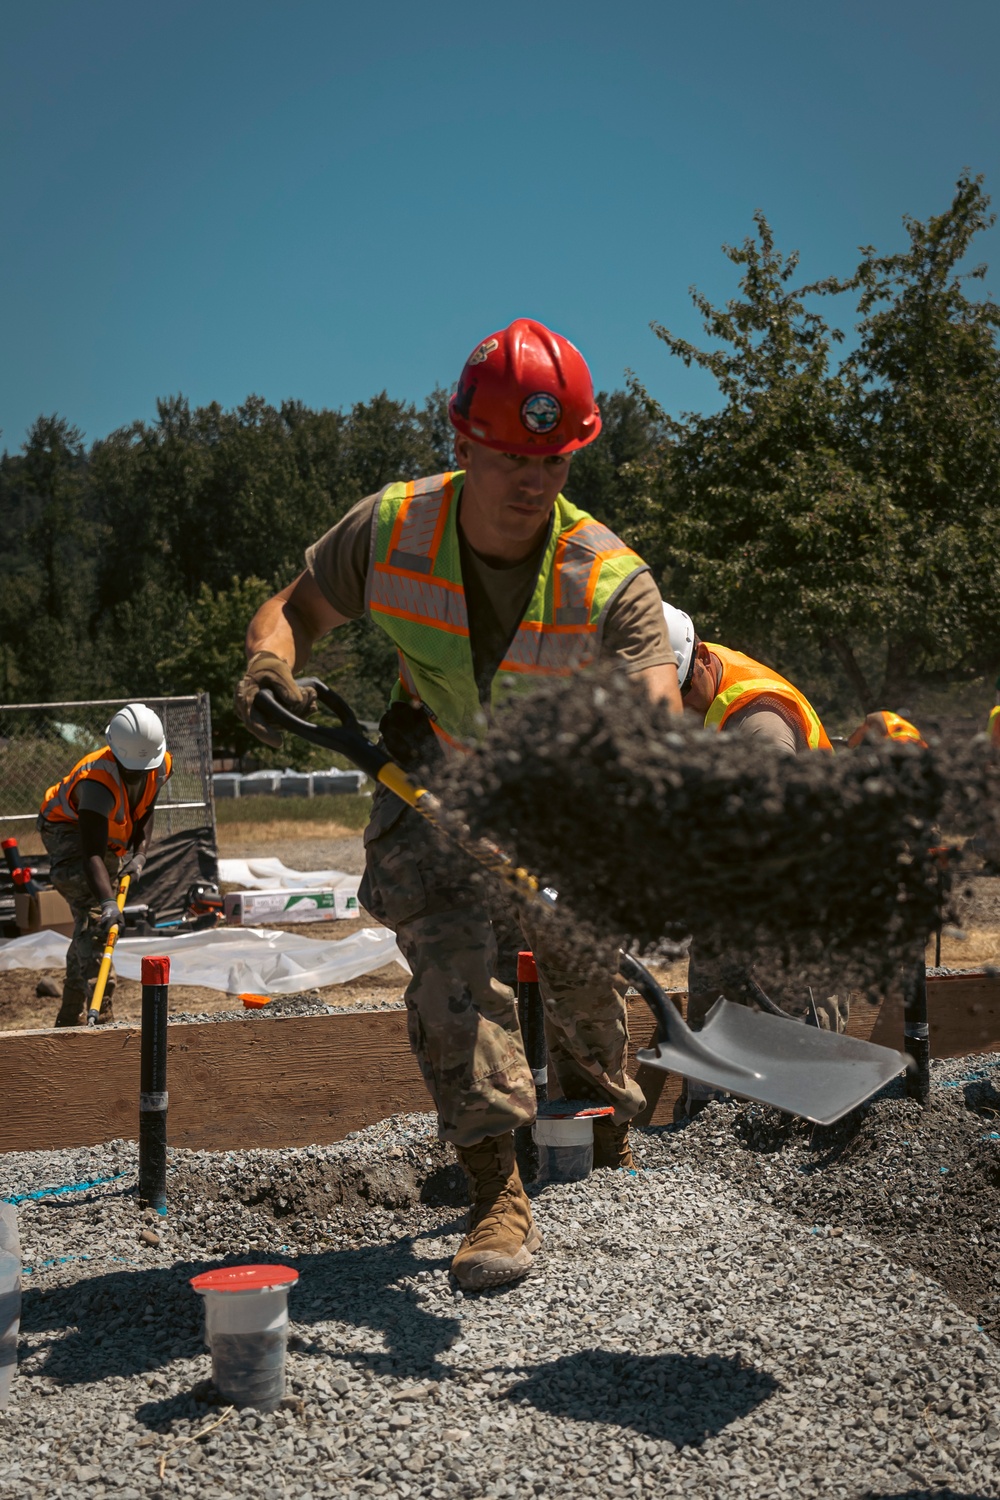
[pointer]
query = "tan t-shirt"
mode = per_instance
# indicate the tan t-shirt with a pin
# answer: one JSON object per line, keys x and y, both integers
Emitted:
{"x": 496, "y": 597}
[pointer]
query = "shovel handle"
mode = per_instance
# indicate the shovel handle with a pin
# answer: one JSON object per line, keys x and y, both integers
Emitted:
{"x": 350, "y": 740}
{"x": 97, "y": 997}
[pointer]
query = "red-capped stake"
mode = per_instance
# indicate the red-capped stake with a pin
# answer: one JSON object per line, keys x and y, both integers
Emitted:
{"x": 156, "y": 970}
{"x": 527, "y": 969}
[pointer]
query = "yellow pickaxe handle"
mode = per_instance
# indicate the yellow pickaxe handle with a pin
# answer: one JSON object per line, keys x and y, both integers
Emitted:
{"x": 105, "y": 969}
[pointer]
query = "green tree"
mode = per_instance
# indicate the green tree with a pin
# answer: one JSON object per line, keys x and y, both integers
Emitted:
{"x": 818, "y": 510}
{"x": 208, "y": 656}
{"x": 924, "y": 425}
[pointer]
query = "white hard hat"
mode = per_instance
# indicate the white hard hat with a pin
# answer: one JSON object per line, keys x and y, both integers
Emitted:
{"x": 681, "y": 632}
{"x": 135, "y": 736}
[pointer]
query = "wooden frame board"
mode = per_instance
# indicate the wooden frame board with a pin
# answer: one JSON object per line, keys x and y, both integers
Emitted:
{"x": 301, "y": 1080}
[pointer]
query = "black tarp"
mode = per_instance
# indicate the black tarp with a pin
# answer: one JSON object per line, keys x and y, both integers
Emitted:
{"x": 176, "y": 863}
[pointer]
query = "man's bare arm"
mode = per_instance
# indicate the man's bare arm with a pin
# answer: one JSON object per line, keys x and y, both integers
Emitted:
{"x": 662, "y": 685}
{"x": 292, "y": 621}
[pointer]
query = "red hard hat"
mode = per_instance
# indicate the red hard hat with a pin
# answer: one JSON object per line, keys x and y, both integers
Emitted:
{"x": 526, "y": 390}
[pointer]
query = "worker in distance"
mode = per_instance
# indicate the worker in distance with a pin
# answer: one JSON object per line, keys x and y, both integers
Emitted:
{"x": 96, "y": 825}
{"x": 489, "y": 580}
{"x": 731, "y": 693}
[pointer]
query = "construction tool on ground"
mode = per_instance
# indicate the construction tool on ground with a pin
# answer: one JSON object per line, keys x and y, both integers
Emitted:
{"x": 94, "y": 1009}
{"x": 818, "y": 1075}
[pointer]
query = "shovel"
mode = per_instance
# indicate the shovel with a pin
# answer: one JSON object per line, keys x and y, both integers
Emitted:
{"x": 818, "y": 1075}
{"x": 94, "y": 1009}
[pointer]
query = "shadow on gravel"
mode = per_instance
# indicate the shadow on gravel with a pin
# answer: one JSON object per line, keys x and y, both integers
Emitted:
{"x": 915, "y": 1494}
{"x": 681, "y": 1398}
{"x": 126, "y": 1323}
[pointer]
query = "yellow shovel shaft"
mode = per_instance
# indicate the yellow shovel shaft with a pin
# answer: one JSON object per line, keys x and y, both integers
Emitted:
{"x": 109, "y": 948}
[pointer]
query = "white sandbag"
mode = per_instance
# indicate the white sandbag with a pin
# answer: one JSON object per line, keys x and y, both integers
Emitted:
{"x": 35, "y": 950}
{"x": 269, "y": 874}
{"x": 260, "y": 960}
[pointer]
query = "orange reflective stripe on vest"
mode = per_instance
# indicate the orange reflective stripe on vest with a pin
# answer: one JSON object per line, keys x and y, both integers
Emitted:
{"x": 58, "y": 805}
{"x": 744, "y": 679}
{"x": 415, "y": 593}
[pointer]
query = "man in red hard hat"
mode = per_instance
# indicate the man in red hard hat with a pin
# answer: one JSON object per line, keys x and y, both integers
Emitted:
{"x": 488, "y": 580}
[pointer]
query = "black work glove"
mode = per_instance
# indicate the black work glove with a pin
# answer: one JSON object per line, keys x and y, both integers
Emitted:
{"x": 133, "y": 867}
{"x": 110, "y": 917}
{"x": 265, "y": 670}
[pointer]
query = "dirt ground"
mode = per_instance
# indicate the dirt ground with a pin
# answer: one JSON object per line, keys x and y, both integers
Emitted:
{"x": 318, "y": 846}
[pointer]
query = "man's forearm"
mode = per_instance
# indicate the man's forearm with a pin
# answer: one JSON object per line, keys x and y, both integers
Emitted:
{"x": 98, "y": 878}
{"x": 662, "y": 685}
{"x": 291, "y": 621}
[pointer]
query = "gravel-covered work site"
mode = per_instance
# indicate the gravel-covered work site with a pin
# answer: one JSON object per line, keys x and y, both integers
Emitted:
{"x": 756, "y": 1310}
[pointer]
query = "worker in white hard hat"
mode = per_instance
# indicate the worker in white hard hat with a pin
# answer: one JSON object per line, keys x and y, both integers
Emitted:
{"x": 729, "y": 692}
{"x": 96, "y": 825}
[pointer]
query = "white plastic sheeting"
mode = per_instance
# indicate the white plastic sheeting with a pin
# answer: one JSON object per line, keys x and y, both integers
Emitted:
{"x": 271, "y": 874}
{"x": 233, "y": 960}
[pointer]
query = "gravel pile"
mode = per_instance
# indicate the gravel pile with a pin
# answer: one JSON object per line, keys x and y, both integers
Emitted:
{"x": 734, "y": 1319}
{"x": 651, "y": 828}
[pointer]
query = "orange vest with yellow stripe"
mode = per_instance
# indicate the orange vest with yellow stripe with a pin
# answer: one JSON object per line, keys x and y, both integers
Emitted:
{"x": 993, "y": 727}
{"x": 414, "y": 591}
{"x": 59, "y": 804}
{"x": 744, "y": 679}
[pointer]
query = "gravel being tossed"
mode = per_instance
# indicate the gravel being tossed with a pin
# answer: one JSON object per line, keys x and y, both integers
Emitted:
{"x": 699, "y": 1328}
{"x": 652, "y": 829}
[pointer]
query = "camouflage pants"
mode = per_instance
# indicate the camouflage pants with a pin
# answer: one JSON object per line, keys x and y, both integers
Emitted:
{"x": 83, "y": 958}
{"x": 462, "y": 1021}
{"x": 708, "y": 978}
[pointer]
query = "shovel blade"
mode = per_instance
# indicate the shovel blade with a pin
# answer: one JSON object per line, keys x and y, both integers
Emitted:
{"x": 818, "y": 1075}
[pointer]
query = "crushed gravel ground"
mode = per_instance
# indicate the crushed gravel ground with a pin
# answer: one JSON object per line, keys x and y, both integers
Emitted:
{"x": 760, "y": 1310}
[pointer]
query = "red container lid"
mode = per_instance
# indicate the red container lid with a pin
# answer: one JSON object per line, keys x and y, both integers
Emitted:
{"x": 245, "y": 1279}
{"x": 527, "y": 969}
{"x": 20, "y": 876}
{"x": 8, "y": 843}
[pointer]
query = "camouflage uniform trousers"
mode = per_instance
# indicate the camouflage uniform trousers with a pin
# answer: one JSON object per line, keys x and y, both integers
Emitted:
{"x": 83, "y": 957}
{"x": 462, "y": 1022}
{"x": 708, "y": 978}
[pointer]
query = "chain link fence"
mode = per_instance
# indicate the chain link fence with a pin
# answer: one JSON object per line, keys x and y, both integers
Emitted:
{"x": 41, "y": 742}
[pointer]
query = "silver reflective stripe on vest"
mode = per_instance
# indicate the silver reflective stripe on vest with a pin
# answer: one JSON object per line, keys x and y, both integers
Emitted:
{"x": 549, "y": 650}
{"x": 580, "y": 557}
{"x": 428, "y": 600}
{"x": 419, "y": 524}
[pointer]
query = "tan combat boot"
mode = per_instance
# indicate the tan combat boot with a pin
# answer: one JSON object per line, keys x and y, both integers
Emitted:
{"x": 611, "y": 1144}
{"x": 502, "y": 1235}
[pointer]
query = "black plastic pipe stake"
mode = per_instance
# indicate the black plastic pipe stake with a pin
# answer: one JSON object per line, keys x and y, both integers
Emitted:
{"x": 153, "y": 1086}
{"x": 917, "y": 1034}
{"x": 531, "y": 1020}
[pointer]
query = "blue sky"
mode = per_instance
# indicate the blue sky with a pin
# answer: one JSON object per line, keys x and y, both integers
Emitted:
{"x": 313, "y": 200}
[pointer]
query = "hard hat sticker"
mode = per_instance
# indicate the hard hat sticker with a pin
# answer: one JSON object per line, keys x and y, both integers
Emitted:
{"x": 540, "y": 412}
{"x": 486, "y": 347}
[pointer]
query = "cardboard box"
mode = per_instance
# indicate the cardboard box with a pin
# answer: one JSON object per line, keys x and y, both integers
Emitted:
{"x": 46, "y": 912}
{"x": 250, "y": 908}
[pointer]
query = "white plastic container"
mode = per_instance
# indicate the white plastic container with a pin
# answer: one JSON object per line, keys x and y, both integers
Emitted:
{"x": 246, "y": 1328}
{"x": 10, "y": 1297}
{"x": 565, "y": 1149}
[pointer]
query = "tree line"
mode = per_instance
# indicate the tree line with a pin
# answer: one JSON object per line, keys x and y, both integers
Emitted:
{"x": 837, "y": 515}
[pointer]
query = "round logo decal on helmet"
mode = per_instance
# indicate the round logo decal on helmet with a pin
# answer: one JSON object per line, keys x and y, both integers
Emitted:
{"x": 540, "y": 412}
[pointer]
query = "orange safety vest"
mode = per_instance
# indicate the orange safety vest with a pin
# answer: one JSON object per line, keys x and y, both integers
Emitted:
{"x": 894, "y": 728}
{"x": 744, "y": 679}
{"x": 59, "y": 802}
{"x": 993, "y": 727}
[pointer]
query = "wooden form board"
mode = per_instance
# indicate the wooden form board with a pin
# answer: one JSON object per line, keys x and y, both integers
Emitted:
{"x": 300, "y": 1080}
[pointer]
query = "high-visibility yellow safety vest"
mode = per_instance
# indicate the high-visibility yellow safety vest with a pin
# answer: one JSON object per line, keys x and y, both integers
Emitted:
{"x": 744, "y": 679}
{"x": 994, "y": 725}
{"x": 59, "y": 804}
{"x": 415, "y": 593}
